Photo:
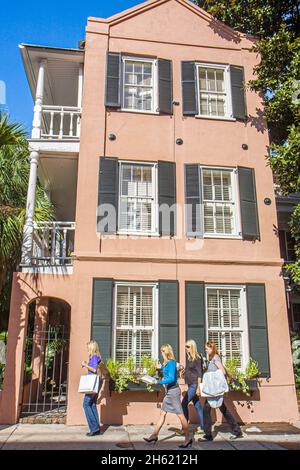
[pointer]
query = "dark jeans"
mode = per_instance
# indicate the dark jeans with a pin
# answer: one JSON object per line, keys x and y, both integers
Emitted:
{"x": 191, "y": 396}
{"x": 236, "y": 430}
{"x": 90, "y": 409}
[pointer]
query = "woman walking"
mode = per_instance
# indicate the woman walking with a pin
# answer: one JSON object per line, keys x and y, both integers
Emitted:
{"x": 171, "y": 402}
{"x": 193, "y": 374}
{"x": 214, "y": 364}
{"x": 90, "y": 400}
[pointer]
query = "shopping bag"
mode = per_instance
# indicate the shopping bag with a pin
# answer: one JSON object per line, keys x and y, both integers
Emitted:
{"x": 89, "y": 384}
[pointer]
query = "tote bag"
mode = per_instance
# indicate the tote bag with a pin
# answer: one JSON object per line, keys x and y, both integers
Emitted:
{"x": 214, "y": 384}
{"x": 89, "y": 384}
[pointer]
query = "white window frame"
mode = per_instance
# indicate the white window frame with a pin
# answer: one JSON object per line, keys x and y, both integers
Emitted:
{"x": 244, "y": 318}
{"x": 154, "y": 327}
{"x": 235, "y": 193}
{"x": 154, "y": 64}
{"x": 154, "y": 228}
{"x": 228, "y": 101}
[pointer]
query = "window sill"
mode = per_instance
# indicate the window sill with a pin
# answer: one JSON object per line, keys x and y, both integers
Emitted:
{"x": 226, "y": 237}
{"x": 139, "y": 234}
{"x": 124, "y": 110}
{"x": 216, "y": 118}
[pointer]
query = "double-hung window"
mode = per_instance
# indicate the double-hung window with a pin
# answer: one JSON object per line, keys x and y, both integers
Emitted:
{"x": 138, "y": 199}
{"x": 135, "y": 321}
{"x": 139, "y": 85}
{"x": 226, "y": 320}
{"x": 219, "y": 201}
{"x": 214, "y": 97}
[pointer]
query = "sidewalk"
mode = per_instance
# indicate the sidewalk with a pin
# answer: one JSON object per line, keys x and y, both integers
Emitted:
{"x": 58, "y": 437}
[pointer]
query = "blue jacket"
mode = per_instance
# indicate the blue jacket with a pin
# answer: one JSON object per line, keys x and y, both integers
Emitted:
{"x": 170, "y": 374}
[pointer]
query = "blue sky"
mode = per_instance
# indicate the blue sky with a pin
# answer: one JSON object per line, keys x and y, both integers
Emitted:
{"x": 56, "y": 23}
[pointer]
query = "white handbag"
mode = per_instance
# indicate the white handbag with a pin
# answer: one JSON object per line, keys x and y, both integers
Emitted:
{"x": 89, "y": 384}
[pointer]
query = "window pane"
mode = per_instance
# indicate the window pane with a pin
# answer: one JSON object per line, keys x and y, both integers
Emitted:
{"x": 202, "y": 78}
{"x": 209, "y": 218}
{"x": 143, "y": 345}
{"x": 124, "y": 307}
{"x": 220, "y": 107}
{"x": 204, "y": 105}
{"x": 211, "y": 79}
{"x": 123, "y": 345}
{"x": 220, "y": 80}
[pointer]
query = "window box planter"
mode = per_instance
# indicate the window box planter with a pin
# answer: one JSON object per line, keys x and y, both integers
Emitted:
{"x": 135, "y": 387}
{"x": 252, "y": 384}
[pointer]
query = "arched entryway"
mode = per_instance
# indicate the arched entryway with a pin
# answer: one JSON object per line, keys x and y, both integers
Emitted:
{"x": 45, "y": 383}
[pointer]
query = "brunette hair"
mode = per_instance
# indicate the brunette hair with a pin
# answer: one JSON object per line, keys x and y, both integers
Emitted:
{"x": 214, "y": 347}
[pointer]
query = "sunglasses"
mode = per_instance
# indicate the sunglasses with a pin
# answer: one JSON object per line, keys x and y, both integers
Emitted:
{"x": 187, "y": 346}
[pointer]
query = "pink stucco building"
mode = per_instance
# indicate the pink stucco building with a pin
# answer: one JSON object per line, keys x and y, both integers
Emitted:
{"x": 154, "y": 156}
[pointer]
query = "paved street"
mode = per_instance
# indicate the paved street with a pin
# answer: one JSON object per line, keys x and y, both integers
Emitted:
{"x": 58, "y": 436}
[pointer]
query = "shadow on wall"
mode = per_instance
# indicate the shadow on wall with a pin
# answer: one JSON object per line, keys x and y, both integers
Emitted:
{"x": 115, "y": 406}
{"x": 219, "y": 29}
{"x": 258, "y": 121}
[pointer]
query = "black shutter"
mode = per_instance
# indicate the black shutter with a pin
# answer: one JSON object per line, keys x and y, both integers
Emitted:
{"x": 189, "y": 88}
{"x": 165, "y": 86}
{"x": 167, "y": 196}
{"x": 108, "y": 194}
{"x": 113, "y": 80}
{"x": 237, "y": 79}
{"x": 193, "y": 201}
{"x": 248, "y": 203}
{"x": 195, "y": 313}
{"x": 258, "y": 328}
{"x": 169, "y": 315}
{"x": 101, "y": 330}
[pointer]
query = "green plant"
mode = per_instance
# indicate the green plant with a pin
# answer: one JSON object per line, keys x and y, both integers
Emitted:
{"x": 53, "y": 347}
{"x": 113, "y": 368}
{"x": 296, "y": 360}
{"x": 120, "y": 373}
{"x": 252, "y": 369}
{"x": 123, "y": 373}
{"x": 129, "y": 365}
{"x": 148, "y": 364}
{"x": 239, "y": 377}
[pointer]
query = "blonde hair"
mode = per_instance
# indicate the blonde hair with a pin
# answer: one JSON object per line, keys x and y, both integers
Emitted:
{"x": 193, "y": 351}
{"x": 93, "y": 348}
{"x": 214, "y": 347}
{"x": 168, "y": 350}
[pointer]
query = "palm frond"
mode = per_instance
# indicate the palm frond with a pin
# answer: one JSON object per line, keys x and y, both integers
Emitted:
{"x": 11, "y": 133}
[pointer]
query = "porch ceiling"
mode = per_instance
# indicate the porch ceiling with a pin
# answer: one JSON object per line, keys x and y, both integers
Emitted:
{"x": 61, "y": 79}
{"x": 58, "y": 175}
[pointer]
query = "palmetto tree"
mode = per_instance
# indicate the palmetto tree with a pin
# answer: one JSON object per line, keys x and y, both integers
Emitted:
{"x": 11, "y": 133}
{"x": 14, "y": 173}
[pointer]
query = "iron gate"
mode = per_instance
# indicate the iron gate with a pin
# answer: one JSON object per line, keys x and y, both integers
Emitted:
{"x": 46, "y": 372}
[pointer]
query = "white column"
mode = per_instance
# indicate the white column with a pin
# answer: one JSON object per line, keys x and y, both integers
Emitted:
{"x": 37, "y": 112}
{"x": 30, "y": 205}
{"x": 79, "y": 95}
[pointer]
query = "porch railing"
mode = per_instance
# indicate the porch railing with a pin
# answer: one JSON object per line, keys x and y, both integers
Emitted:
{"x": 60, "y": 122}
{"x": 53, "y": 243}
